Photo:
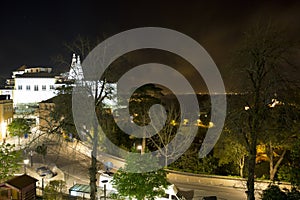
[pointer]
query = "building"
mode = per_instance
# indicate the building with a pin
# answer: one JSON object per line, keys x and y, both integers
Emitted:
{"x": 45, "y": 120}
{"x": 30, "y": 85}
{"x": 19, "y": 188}
{"x": 76, "y": 75}
{"x": 80, "y": 190}
{"x": 34, "y": 85}
{"x": 75, "y": 72}
{"x": 6, "y": 114}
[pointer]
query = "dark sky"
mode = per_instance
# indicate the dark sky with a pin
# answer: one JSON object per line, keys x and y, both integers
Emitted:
{"x": 33, "y": 32}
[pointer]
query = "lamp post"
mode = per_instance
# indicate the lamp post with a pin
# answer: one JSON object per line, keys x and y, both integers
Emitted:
{"x": 42, "y": 186}
{"x": 26, "y": 162}
{"x": 140, "y": 148}
{"x": 31, "y": 160}
{"x": 104, "y": 181}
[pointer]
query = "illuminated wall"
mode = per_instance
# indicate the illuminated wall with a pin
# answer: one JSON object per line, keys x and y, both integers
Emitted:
{"x": 6, "y": 115}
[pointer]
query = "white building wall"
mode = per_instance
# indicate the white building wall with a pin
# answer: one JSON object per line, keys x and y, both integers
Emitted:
{"x": 33, "y": 90}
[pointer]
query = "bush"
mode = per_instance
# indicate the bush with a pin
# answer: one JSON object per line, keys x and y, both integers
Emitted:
{"x": 54, "y": 190}
{"x": 293, "y": 194}
{"x": 273, "y": 192}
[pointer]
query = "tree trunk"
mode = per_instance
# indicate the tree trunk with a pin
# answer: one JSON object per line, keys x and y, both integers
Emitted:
{"x": 251, "y": 174}
{"x": 271, "y": 160}
{"x": 143, "y": 145}
{"x": 93, "y": 179}
{"x": 252, "y": 155}
{"x": 93, "y": 168}
{"x": 241, "y": 165}
{"x": 274, "y": 170}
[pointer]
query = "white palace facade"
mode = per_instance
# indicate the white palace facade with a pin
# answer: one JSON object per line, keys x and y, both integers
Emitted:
{"x": 31, "y": 85}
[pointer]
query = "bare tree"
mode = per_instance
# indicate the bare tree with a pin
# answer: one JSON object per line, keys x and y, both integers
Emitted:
{"x": 264, "y": 51}
{"x": 170, "y": 141}
{"x": 96, "y": 91}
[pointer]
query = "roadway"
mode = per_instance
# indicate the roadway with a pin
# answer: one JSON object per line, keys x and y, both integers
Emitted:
{"x": 75, "y": 166}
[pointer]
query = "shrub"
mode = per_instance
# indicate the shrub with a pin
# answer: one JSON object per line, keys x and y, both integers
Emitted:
{"x": 294, "y": 194}
{"x": 273, "y": 192}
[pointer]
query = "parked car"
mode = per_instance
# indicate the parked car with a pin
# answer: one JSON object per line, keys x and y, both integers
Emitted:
{"x": 45, "y": 172}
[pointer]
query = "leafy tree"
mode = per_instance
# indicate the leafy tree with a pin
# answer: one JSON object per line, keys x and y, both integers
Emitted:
{"x": 230, "y": 149}
{"x": 54, "y": 190}
{"x": 295, "y": 167}
{"x": 291, "y": 170}
{"x": 62, "y": 114}
{"x": 133, "y": 183}
{"x": 42, "y": 150}
{"x": 18, "y": 127}
{"x": 9, "y": 159}
{"x": 139, "y": 104}
{"x": 281, "y": 129}
{"x": 116, "y": 136}
{"x": 188, "y": 162}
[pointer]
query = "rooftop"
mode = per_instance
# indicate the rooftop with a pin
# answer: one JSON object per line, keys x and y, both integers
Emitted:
{"x": 80, "y": 188}
{"x": 21, "y": 182}
{"x": 36, "y": 75}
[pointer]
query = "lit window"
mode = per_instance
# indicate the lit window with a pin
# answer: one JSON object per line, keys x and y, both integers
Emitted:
{"x": 36, "y": 88}
{"x": 27, "y": 87}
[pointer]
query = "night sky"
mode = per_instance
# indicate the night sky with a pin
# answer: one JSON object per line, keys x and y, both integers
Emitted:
{"x": 33, "y": 32}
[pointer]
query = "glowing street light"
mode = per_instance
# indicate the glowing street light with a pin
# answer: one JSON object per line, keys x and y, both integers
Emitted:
{"x": 139, "y": 147}
{"x": 26, "y": 162}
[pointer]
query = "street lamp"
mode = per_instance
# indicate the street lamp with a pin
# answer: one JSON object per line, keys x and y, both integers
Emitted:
{"x": 104, "y": 181}
{"x": 139, "y": 147}
{"x": 26, "y": 162}
{"x": 31, "y": 160}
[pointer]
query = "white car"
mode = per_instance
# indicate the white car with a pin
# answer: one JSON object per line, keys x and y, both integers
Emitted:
{"x": 171, "y": 193}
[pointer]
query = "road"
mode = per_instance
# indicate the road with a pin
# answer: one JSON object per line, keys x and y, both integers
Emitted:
{"x": 75, "y": 167}
{"x": 223, "y": 193}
